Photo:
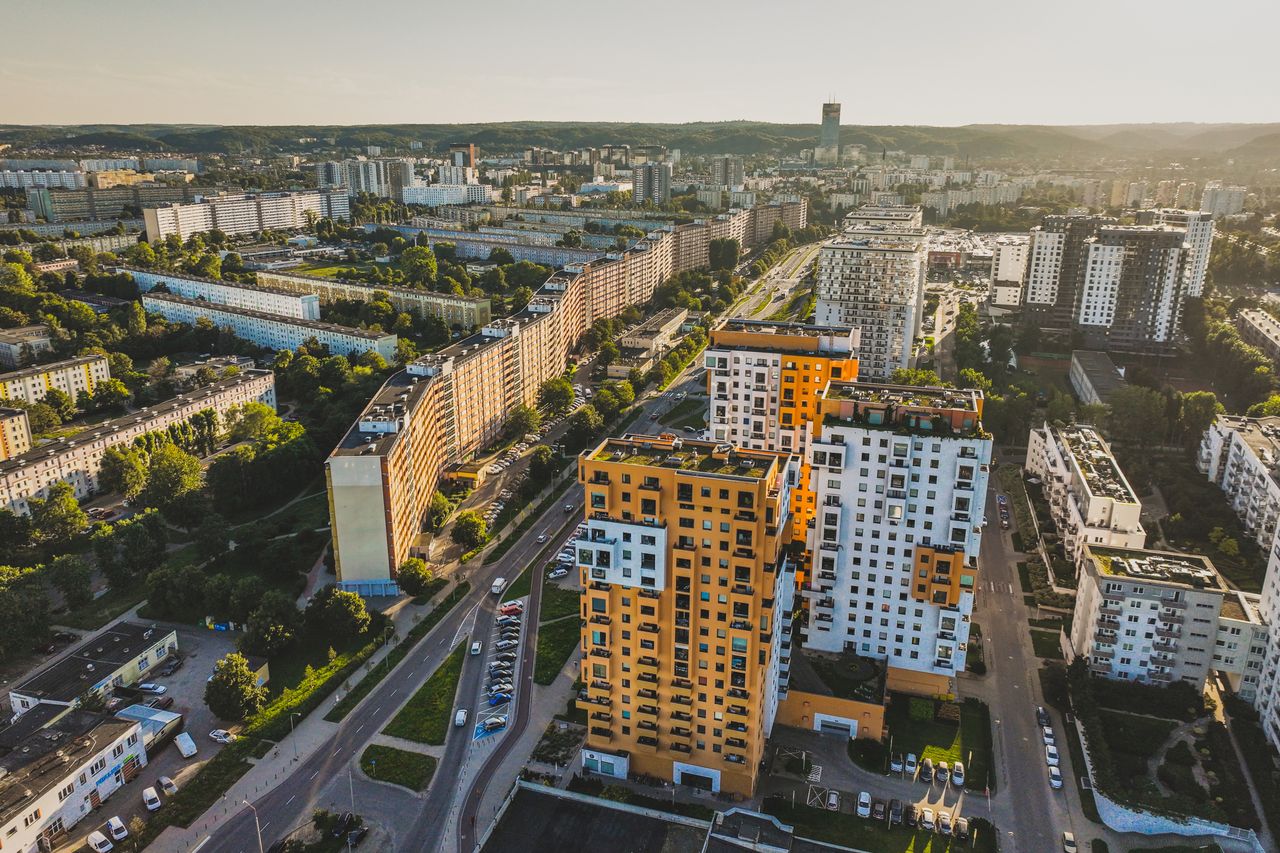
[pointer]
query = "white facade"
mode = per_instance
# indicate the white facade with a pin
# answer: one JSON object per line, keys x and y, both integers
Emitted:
{"x": 630, "y": 555}
{"x": 1044, "y": 266}
{"x": 77, "y": 459}
{"x": 1219, "y": 200}
{"x": 449, "y": 174}
{"x": 271, "y": 331}
{"x": 1241, "y": 456}
{"x": 24, "y": 180}
{"x": 1091, "y": 501}
{"x": 72, "y": 377}
{"x": 111, "y": 164}
{"x": 880, "y": 493}
{"x": 435, "y": 195}
{"x": 872, "y": 278}
{"x": 1009, "y": 253}
{"x": 1198, "y": 226}
{"x": 1267, "y": 699}
{"x": 244, "y": 214}
{"x": 302, "y": 306}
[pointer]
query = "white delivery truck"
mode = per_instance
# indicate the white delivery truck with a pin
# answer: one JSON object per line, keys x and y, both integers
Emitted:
{"x": 498, "y": 586}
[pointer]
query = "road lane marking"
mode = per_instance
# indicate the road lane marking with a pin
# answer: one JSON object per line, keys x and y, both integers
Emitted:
{"x": 377, "y": 709}
{"x": 361, "y": 727}
{"x": 290, "y": 800}
{"x": 314, "y": 775}
{"x": 335, "y": 753}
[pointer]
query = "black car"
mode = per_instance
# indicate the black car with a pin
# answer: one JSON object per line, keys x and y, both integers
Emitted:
{"x": 895, "y": 812}
{"x": 172, "y": 666}
{"x": 342, "y": 824}
{"x": 1042, "y": 716}
{"x": 161, "y": 703}
{"x": 355, "y": 836}
{"x": 912, "y": 815}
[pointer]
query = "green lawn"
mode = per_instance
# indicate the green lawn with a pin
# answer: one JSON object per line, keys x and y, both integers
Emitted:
{"x": 1046, "y": 644}
{"x": 557, "y": 601}
{"x": 333, "y": 270}
{"x": 411, "y": 770}
{"x": 688, "y": 412}
{"x": 520, "y": 587}
{"x": 848, "y": 830}
{"x": 556, "y": 641}
{"x": 103, "y": 609}
{"x": 429, "y": 713}
{"x": 913, "y": 729}
{"x": 309, "y": 513}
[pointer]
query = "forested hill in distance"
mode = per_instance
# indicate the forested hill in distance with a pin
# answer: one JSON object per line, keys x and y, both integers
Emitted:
{"x": 1068, "y": 143}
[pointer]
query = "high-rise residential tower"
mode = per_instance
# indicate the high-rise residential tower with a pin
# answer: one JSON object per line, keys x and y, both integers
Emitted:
{"x": 828, "y": 150}
{"x": 687, "y": 593}
{"x": 727, "y": 171}
{"x": 651, "y": 182}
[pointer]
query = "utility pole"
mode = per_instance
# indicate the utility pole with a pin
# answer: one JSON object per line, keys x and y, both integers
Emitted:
{"x": 291, "y": 734}
{"x": 256, "y": 824}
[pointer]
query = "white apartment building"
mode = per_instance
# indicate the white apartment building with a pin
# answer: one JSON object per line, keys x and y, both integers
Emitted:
{"x": 1089, "y": 498}
{"x": 900, "y": 216}
{"x": 244, "y": 214}
{"x": 899, "y": 476}
{"x": 41, "y": 179}
{"x": 72, "y": 377}
{"x": 54, "y": 774}
{"x": 1241, "y": 456}
{"x": 1198, "y": 226}
{"x": 77, "y": 459}
{"x": 872, "y": 278}
{"x": 111, "y": 164}
{"x": 435, "y": 195}
{"x": 261, "y": 298}
{"x": 271, "y": 331}
{"x": 23, "y": 342}
{"x": 1267, "y": 699}
{"x": 449, "y": 174}
{"x": 1009, "y": 253}
{"x": 1219, "y": 200}
{"x": 1161, "y": 616}
{"x": 15, "y": 433}
{"x": 1261, "y": 330}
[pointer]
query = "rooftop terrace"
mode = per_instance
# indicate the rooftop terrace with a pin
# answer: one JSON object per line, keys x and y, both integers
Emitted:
{"x": 1101, "y": 474}
{"x": 705, "y": 457}
{"x": 960, "y": 399}
{"x": 1168, "y": 568}
{"x": 317, "y": 325}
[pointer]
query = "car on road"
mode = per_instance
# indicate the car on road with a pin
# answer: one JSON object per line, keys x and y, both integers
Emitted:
{"x": 151, "y": 799}
{"x": 926, "y": 770}
{"x": 222, "y": 736}
{"x": 116, "y": 827}
{"x": 476, "y": 647}
{"x": 1042, "y": 716}
{"x": 542, "y": 537}
{"x": 1051, "y": 755}
{"x": 1055, "y": 777}
{"x": 895, "y": 812}
{"x": 911, "y": 764}
{"x": 911, "y": 816}
{"x": 864, "y": 804}
{"x": 957, "y": 774}
{"x": 568, "y": 507}
{"x": 653, "y": 416}
{"x": 1047, "y": 733}
{"x": 99, "y": 843}
{"x": 355, "y": 836}
{"x": 460, "y": 718}
{"x": 895, "y": 763}
{"x": 557, "y": 573}
{"x": 926, "y": 819}
{"x": 944, "y": 772}
{"x": 167, "y": 785}
{"x": 499, "y": 584}
{"x": 877, "y": 809}
{"x": 944, "y": 823}
{"x": 961, "y": 831}
{"x": 153, "y": 688}
{"x": 833, "y": 800}
{"x": 1069, "y": 843}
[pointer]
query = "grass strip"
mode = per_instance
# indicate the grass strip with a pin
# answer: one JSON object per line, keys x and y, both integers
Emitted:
{"x": 428, "y": 714}
{"x": 416, "y": 633}
{"x": 556, "y": 641}
{"x": 411, "y": 770}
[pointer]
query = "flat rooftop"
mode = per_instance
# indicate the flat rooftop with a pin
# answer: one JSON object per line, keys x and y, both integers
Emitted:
{"x": 844, "y": 675}
{"x": 1263, "y": 322}
{"x": 956, "y": 399}
{"x": 61, "y": 445}
{"x": 94, "y": 660}
{"x": 23, "y": 334}
{"x": 346, "y": 282}
{"x": 164, "y": 276}
{"x": 883, "y": 238}
{"x": 1100, "y": 370}
{"x": 37, "y": 369}
{"x": 704, "y": 457}
{"x": 1101, "y": 474}
{"x": 40, "y": 760}
{"x": 263, "y": 315}
{"x": 1166, "y": 568}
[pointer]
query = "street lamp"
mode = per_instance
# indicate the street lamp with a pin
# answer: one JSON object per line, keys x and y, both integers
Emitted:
{"x": 291, "y": 735}
{"x": 256, "y": 824}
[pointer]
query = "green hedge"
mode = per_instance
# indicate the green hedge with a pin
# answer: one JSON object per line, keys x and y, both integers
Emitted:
{"x": 428, "y": 714}
{"x": 1043, "y": 591}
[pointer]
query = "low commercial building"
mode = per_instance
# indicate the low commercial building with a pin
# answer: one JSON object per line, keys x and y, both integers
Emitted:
{"x": 118, "y": 656}
{"x": 15, "y": 433}
{"x": 1241, "y": 456}
{"x": 464, "y": 312}
{"x": 77, "y": 459}
{"x": 1089, "y": 498}
{"x": 656, "y": 334}
{"x": 271, "y": 331}
{"x": 1094, "y": 376}
{"x": 1162, "y": 616}
{"x": 56, "y": 772}
{"x": 20, "y": 345}
{"x": 261, "y": 298}
{"x": 72, "y": 377}
{"x": 218, "y": 364}
{"x": 1260, "y": 329}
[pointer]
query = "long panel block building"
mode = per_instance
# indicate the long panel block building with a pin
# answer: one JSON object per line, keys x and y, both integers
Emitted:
{"x": 465, "y": 312}
{"x": 261, "y": 298}
{"x": 72, "y": 377}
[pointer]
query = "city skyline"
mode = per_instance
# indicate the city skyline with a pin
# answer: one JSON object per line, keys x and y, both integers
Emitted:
{"x": 369, "y": 80}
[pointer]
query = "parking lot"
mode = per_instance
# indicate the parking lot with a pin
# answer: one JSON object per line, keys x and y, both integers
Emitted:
{"x": 199, "y": 649}
{"x": 500, "y": 649}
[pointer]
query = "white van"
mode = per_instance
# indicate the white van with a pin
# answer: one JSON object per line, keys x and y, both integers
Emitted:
{"x": 99, "y": 843}
{"x": 498, "y": 586}
{"x": 186, "y": 745}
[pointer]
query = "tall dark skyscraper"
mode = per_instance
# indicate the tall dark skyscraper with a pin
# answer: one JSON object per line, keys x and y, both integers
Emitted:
{"x": 828, "y": 149}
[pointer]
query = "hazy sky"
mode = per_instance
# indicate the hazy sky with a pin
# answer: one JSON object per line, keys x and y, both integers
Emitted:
{"x": 921, "y": 62}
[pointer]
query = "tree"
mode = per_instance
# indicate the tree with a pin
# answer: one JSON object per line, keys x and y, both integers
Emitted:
{"x": 556, "y": 395}
{"x": 723, "y": 253}
{"x": 470, "y": 530}
{"x": 523, "y": 420}
{"x": 58, "y": 517}
{"x": 419, "y": 265}
{"x": 413, "y": 576}
{"x": 917, "y": 376}
{"x": 172, "y": 475}
{"x": 1060, "y": 407}
{"x": 1137, "y": 415}
{"x": 71, "y": 576}
{"x": 111, "y": 394}
{"x": 438, "y": 511}
{"x": 231, "y": 693}
{"x": 520, "y": 297}
{"x": 584, "y": 425}
{"x": 213, "y": 535}
{"x": 1199, "y": 409}
{"x": 272, "y": 626}
{"x": 124, "y": 472}
{"x": 252, "y": 421}
{"x": 140, "y": 545}
{"x": 60, "y": 401}
{"x": 335, "y": 612}
{"x": 609, "y": 353}
{"x": 543, "y": 466}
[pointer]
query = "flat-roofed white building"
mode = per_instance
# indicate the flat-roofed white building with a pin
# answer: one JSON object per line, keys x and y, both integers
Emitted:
{"x": 1009, "y": 254}
{"x": 269, "y": 300}
{"x": 23, "y": 342}
{"x": 1089, "y": 498}
{"x": 1260, "y": 329}
{"x": 245, "y": 213}
{"x": 1241, "y": 456}
{"x": 465, "y": 312}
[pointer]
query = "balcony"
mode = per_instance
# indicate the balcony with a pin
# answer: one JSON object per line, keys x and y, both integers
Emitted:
{"x": 737, "y": 710}
{"x": 743, "y": 553}
{"x": 1100, "y": 668}
{"x": 650, "y": 593}
{"x": 1108, "y": 622}
{"x": 645, "y": 743}
{"x": 734, "y": 725}
{"x": 647, "y": 725}
{"x": 599, "y": 689}
{"x": 744, "y": 515}
{"x": 649, "y": 627}
{"x": 602, "y": 732}
{"x": 647, "y": 693}
{"x": 681, "y": 732}
{"x": 650, "y": 487}
{"x": 601, "y": 619}
{"x": 743, "y": 589}
{"x": 739, "y": 693}
{"x": 648, "y": 711}
{"x": 1165, "y": 647}
{"x": 681, "y": 747}
{"x": 682, "y": 716}
{"x": 735, "y": 742}
{"x": 647, "y": 677}
{"x": 1175, "y": 603}
{"x": 1161, "y": 677}
{"x": 598, "y": 652}
{"x": 598, "y": 586}
{"x": 740, "y": 625}
{"x": 1110, "y": 608}
{"x": 587, "y": 703}
{"x": 1113, "y": 597}
{"x": 735, "y": 758}
{"x": 1102, "y": 654}
{"x": 648, "y": 663}
{"x": 682, "y": 700}
{"x": 1170, "y": 618}
{"x": 602, "y": 716}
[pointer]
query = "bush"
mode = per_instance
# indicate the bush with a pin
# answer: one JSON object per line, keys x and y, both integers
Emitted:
{"x": 1177, "y": 701}
{"x": 868, "y": 753}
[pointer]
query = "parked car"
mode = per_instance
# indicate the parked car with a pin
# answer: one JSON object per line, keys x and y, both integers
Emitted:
{"x": 1049, "y": 738}
{"x": 167, "y": 785}
{"x": 494, "y": 723}
{"x": 116, "y": 827}
{"x": 222, "y": 736}
{"x": 911, "y": 766}
{"x": 833, "y": 801}
{"x": 161, "y": 703}
{"x": 944, "y": 823}
{"x": 926, "y": 770}
{"x": 172, "y": 666}
{"x": 1042, "y": 716}
{"x": 499, "y": 699}
{"x": 507, "y": 620}
{"x": 926, "y": 819}
{"x": 877, "y": 809}
{"x": 342, "y": 824}
{"x": 962, "y": 829}
{"x": 558, "y": 573}
{"x": 153, "y": 688}
{"x": 864, "y": 804}
{"x": 99, "y": 843}
{"x": 186, "y": 744}
{"x": 943, "y": 772}
{"x": 1051, "y": 755}
{"x": 151, "y": 799}
{"x": 476, "y": 647}
{"x": 895, "y": 812}
{"x": 355, "y": 836}
{"x": 895, "y": 763}
{"x": 957, "y": 774}
{"x": 1069, "y": 843}
{"x": 505, "y": 656}
{"x": 505, "y": 644}
{"x": 460, "y": 718}
{"x": 912, "y": 815}
{"x": 1055, "y": 778}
